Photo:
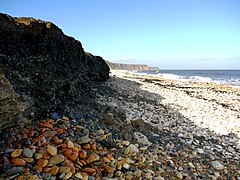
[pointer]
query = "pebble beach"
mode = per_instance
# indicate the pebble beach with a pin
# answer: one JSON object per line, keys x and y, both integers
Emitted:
{"x": 179, "y": 130}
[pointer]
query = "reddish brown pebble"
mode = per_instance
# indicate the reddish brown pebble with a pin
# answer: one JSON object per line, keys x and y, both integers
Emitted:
{"x": 46, "y": 124}
{"x": 47, "y": 170}
{"x": 94, "y": 146}
{"x": 16, "y": 152}
{"x": 31, "y": 134}
{"x": 73, "y": 156}
{"x": 83, "y": 154}
{"x": 54, "y": 170}
{"x": 57, "y": 140}
{"x": 18, "y": 162}
{"x": 109, "y": 169}
{"x": 42, "y": 162}
{"x": 83, "y": 162}
{"x": 93, "y": 157}
{"x": 38, "y": 168}
{"x": 49, "y": 133}
{"x": 89, "y": 170}
{"x": 109, "y": 156}
{"x": 67, "y": 152}
{"x": 86, "y": 146}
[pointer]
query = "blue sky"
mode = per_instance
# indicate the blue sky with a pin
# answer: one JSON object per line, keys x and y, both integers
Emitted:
{"x": 172, "y": 34}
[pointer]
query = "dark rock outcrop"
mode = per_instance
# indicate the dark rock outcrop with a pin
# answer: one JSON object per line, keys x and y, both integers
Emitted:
{"x": 131, "y": 67}
{"x": 42, "y": 69}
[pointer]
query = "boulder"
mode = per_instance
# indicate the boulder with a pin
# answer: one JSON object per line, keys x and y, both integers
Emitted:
{"x": 42, "y": 69}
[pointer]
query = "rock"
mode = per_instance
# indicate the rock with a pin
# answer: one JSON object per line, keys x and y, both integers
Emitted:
{"x": 42, "y": 69}
{"x": 67, "y": 176}
{"x": 89, "y": 170}
{"x": 109, "y": 119}
{"x": 38, "y": 155}
{"x": 42, "y": 162}
{"x": 84, "y": 139}
{"x": 78, "y": 175}
{"x": 217, "y": 165}
{"x": 54, "y": 170}
{"x": 131, "y": 149}
{"x": 64, "y": 169}
{"x": 52, "y": 150}
{"x": 70, "y": 144}
{"x": 16, "y": 152}
{"x": 58, "y": 158}
{"x": 142, "y": 139}
{"x": 27, "y": 152}
{"x": 179, "y": 175}
{"x": 19, "y": 162}
{"x": 14, "y": 170}
{"x": 28, "y": 160}
{"x": 93, "y": 157}
{"x": 138, "y": 124}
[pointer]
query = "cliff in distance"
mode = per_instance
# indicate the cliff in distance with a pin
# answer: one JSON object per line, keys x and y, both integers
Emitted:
{"x": 131, "y": 67}
{"x": 42, "y": 70}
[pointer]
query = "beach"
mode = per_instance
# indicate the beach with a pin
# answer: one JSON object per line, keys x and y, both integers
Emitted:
{"x": 203, "y": 118}
{"x": 138, "y": 127}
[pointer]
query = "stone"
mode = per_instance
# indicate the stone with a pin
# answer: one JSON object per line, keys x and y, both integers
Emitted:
{"x": 42, "y": 162}
{"x": 52, "y": 150}
{"x": 54, "y": 170}
{"x": 78, "y": 175}
{"x": 38, "y": 155}
{"x": 109, "y": 119}
{"x": 131, "y": 149}
{"x": 138, "y": 123}
{"x": 64, "y": 169}
{"x": 70, "y": 144}
{"x": 28, "y": 160}
{"x": 67, "y": 176}
{"x": 179, "y": 175}
{"x": 16, "y": 152}
{"x": 83, "y": 154}
{"x": 27, "y": 152}
{"x": 18, "y": 161}
{"x": 125, "y": 143}
{"x": 46, "y": 64}
{"x": 142, "y": 139}
{"x": 84, "y": 139}
{"x": 109, "y": 169}
{"x": 93, "y": 157}
{"x": 217, "y": 165}
{"x": 14, "y": 170}
{"x": 58, "y": 158}
{"x": 73, "y": 156}
{"x": 138, "y": 173}
{"x": 89, "y": 170}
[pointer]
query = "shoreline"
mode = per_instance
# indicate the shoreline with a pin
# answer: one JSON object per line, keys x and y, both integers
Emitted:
{"x": 157, "y": 76}
{"x": 222, "y": 100}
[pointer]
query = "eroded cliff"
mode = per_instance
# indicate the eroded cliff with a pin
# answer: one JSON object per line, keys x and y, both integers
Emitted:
{"x": 42, "y": 69}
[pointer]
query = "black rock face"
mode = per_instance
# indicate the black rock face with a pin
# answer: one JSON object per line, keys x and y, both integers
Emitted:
{"x": 45, "y": 69}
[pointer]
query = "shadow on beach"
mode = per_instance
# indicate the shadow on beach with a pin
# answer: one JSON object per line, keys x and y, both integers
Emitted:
{"x": 209, "y": 147}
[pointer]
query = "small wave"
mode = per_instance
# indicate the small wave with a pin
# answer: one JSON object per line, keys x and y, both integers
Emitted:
{"x": 201, "y": 79}
{"x": 170, "y": 76}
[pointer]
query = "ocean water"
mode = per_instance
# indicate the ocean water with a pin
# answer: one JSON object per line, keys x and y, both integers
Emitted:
{"x": 218, "y": 76}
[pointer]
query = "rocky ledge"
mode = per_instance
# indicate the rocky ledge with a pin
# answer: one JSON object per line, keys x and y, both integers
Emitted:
{"x": 42, "y": 70}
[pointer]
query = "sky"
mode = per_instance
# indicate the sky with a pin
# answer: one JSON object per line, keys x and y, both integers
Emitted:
{"x": 170, "y": 34}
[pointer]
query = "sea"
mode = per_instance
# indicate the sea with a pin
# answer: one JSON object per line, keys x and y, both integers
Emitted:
{"x": 231, "y": 77}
